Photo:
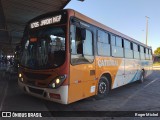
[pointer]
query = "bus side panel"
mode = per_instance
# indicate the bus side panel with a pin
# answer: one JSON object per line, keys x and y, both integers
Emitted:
{"x": 81, "y": 90}
{"x": 150, "y": 67}
{"x": 132, "y": 70}
{"x": 113, "y": 66}
{"x": 147, "y": 66}
{"x": 82, "y": 82}
{"x": 120, "y": 76}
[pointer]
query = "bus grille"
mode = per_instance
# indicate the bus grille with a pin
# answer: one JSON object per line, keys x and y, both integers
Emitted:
{"x": 31, "y": 83}
{"x": 36, "y": 76}
{"x": 37, "y": 91}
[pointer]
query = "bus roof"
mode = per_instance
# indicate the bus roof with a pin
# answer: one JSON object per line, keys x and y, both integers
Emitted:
{"x": 102, "y": 26}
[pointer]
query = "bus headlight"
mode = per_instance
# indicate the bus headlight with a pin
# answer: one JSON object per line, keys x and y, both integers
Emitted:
{"x": 57, "y": 82}
{"x": 20, "y": 75}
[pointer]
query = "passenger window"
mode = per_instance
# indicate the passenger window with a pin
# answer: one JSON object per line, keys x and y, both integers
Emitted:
{"x": 118, "y": 41}
{"x": 117, "y": 49}
{"x": 87, "y": 44}
{"x": 136, "y": 51}
{"x": 103, "y": 44}
{"x": 135, "y": 47}
{"x": 113, "y": 40}
{"x": 127, "y": 44}
{"x": 147, "y": 54}
{"x": 128, "y": 49}
{"x": 150, "y": 54}
{"x": 103, "y": 37}
{"x": 81, "y": 50}
{"x": 142, "y": 53}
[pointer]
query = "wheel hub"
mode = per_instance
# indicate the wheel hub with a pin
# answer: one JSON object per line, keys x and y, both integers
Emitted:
{"x": 102, "y": 87}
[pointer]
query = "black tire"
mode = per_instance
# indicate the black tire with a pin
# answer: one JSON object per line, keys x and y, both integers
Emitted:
{"x": 141, "y": 79}
{"x": 103, "y": 88}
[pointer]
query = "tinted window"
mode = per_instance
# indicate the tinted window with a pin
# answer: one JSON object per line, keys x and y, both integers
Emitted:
{"x": 127, "y": 44}
{"x": 113, "y": 40}
{"x": 142, "y": 54}
{"x": 103, "y": 44}
{"x": 118, "y": 41}
{"x": 87, "y": 44}
{"x": 146, "y": 51}
{"x": 44, "y": 48}
{"x": 135, "y": 47}
{"x": 141, "y": 49}
{"x": 81, "y": 50}
{"x": 103, "y": 37}
{"x": 127, "y": 49}
{"x": 150, "y": 52}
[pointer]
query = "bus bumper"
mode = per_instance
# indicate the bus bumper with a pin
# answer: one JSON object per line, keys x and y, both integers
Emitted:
{"x": 59, "y": 95}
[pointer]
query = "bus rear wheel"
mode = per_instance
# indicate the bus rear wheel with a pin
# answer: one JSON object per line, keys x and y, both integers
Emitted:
{"x": 103, "y": 88}
{"x": 141, "y": 80}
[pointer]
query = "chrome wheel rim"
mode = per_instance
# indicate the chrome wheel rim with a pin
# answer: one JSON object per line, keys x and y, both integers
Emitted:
{"x": 102, "y": 87}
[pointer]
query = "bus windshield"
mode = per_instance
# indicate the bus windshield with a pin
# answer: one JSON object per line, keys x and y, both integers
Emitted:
{"x": 43, "y": 48}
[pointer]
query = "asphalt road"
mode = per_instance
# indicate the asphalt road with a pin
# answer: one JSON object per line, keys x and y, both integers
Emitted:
{"x": 131, "y": 97}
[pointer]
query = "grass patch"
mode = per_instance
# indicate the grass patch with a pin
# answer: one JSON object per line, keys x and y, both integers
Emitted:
{"x": 156, "y": 64}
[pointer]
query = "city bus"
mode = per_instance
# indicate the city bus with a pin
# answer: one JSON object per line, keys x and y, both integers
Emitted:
{"x": 67, "y": 56}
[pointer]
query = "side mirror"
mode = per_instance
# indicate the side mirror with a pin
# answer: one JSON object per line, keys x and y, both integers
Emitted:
{"x": 83, "y": 33}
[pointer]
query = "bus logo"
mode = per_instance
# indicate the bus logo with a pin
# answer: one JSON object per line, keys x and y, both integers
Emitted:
{"x": 102, "y": 63}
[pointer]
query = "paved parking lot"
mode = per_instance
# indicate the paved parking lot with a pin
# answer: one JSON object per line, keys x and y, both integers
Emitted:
{"x": 132, "y": 97}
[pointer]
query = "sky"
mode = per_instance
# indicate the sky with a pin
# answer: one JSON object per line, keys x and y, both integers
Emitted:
{"x": 125, "y": 16}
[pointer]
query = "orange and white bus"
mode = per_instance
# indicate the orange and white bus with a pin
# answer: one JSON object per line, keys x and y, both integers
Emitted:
{"x": 67, "y": 56}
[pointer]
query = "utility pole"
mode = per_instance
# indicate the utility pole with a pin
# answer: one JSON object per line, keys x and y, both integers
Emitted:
{"x": 147, "y": 29}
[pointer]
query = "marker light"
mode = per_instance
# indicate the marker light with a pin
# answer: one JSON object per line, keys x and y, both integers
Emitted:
{"x": 21, "y": 79}
{"x": 53, "y": 85}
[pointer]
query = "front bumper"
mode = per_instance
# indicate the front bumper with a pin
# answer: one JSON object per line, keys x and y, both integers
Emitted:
{"x": 45, "y": 93}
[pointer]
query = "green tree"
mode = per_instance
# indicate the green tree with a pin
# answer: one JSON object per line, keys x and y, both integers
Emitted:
{"x": 157, "y": 51}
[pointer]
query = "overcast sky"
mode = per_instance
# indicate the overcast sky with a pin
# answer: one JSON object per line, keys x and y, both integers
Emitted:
{"x": 126, "y": 16}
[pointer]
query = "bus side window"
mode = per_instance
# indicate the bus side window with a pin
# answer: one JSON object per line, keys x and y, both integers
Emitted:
{"x": 81, "y": 50}
{"x": 147, "y": 53}
{"x": 128, "y": 49}
{"x": 142, "y": 54}
{"x": 73, "y": 39}
{"x": 103, "y": 43}
{"x": 117, "y": 48}
{"x": 79, "y": 44}
{"x": 150, "y": 54}
{"x": 76, "y": 42}
{"x": 113, "y": 40}
{"x": 136, "y": 51}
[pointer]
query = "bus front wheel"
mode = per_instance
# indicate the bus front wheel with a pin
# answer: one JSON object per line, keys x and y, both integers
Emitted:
{"x": 103, "y": 88}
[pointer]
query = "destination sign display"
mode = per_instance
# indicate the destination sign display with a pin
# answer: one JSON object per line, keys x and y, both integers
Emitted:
{"x": 47, "y": 21}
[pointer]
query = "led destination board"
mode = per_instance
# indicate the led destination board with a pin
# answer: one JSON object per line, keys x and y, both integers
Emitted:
{"x": 46, "y": 21}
